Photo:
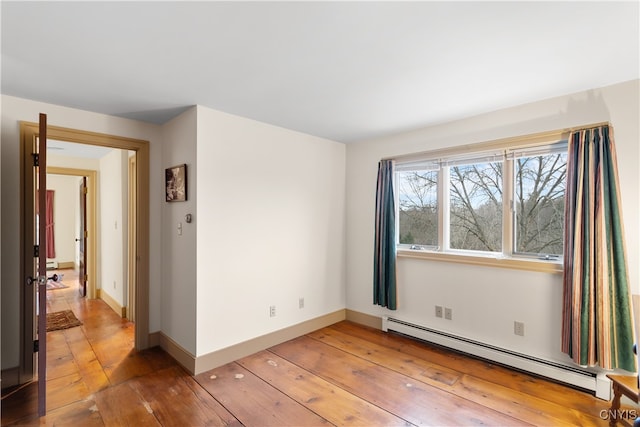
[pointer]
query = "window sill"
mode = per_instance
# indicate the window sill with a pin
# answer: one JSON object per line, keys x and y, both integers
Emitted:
{"x": 489, "y": 261}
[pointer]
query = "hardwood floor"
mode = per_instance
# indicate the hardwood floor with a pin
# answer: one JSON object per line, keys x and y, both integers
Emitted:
{"x": 345, "y": 374}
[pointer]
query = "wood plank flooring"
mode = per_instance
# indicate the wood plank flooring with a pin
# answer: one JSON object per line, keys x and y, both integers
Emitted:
{"x": 343, "y": 375}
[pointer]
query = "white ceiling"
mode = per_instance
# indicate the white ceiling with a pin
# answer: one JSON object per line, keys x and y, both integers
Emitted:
{"x": 70, "y": 149}
{"x": 346, "y": 71}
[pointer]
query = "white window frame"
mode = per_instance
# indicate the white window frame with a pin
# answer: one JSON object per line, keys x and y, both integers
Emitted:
{"x": 555, "y": 148}
{"x": 506, "y": 149}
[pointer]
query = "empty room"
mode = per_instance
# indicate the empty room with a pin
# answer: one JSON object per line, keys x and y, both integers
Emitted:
{"x": 320, "y": 213}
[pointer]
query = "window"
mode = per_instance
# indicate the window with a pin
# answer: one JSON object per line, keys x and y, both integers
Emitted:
{"x": 540, "y": 182}
{"x": 504, "y": 202}
{"x": 418, "y": 206}
{"x": 475, "y": 206}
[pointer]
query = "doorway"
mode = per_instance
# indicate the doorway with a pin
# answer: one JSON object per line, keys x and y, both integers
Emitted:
{"x": 90, "y": 265}
{"x": 29, "y": 133}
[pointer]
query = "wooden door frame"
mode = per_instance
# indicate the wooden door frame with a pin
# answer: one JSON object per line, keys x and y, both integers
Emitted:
{"x": 28, "y": 132}
{"x": 92, "y": 232}
{"x": 132, "y": 208}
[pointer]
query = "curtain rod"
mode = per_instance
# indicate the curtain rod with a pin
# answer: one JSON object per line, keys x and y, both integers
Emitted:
{"x": 533, "y": 139}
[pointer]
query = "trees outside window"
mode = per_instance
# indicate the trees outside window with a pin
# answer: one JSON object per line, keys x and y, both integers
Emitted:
{"x": 539, "y": 203}
{"x": 418, "y": 212}
{"x": 475, "y": 205}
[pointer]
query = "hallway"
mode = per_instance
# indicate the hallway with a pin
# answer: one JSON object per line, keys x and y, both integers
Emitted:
{"x": 81, "y": 361}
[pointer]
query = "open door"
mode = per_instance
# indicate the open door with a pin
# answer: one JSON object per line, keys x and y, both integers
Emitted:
{"x": 35, "y": 264}
{"x": 41, "y": 234}
{"x": 82, "y": 240}
{"x": 28, "y": 134}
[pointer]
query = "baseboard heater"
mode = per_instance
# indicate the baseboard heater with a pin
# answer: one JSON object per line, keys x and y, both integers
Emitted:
{"x": 52, "y": 265}
{"x": 598, "y": 383}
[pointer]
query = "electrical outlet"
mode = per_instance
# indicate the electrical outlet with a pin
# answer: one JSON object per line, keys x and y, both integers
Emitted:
{"x": 518, "y": 328}
{"x": 272, "y": 311}
{"x": 438, "y": 311}
{"x": 448, "y": 313}
{"x": 300, "y": 302}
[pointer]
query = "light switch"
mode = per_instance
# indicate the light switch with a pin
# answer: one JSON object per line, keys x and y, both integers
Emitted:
{"x": 179, "y": 229}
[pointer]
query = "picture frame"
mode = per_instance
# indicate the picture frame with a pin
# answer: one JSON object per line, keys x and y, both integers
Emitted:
{"x": 175, "y": 179}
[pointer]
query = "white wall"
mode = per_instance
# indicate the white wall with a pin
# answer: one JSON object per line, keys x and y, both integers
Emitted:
{"x": 65, "y": 201}
{"x": 113, "y": 243}
{"x": 179, "y": 251}
{"x": 15, "y": 110}
{"x": 486, "y": 300}
{"x": 271, "y": 224}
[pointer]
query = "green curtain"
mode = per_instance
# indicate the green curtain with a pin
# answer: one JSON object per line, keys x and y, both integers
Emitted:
{"x": 384, "y": 263}
{"x": 597, "y": 324}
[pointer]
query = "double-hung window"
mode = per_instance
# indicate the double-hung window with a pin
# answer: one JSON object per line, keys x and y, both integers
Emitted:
{"x": 505, "y": 202}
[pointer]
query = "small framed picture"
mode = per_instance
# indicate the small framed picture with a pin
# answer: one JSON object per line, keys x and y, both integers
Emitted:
{"x": 176, "y": 183}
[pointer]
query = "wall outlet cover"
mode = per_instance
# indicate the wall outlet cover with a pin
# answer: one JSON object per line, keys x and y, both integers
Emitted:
{"x": 448, "y": 313}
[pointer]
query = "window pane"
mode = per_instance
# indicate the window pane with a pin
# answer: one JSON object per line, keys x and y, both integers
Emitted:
{"x": 475, "y": 197}
{"x": 539, "y": 203}
{"x": 418, "y": 200}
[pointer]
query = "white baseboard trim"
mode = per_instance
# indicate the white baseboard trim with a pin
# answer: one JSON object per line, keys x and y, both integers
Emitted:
{"x": 197, "y": 365}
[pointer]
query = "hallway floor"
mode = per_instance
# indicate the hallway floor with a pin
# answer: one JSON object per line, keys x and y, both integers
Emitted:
{"x": 81, "y": 362}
